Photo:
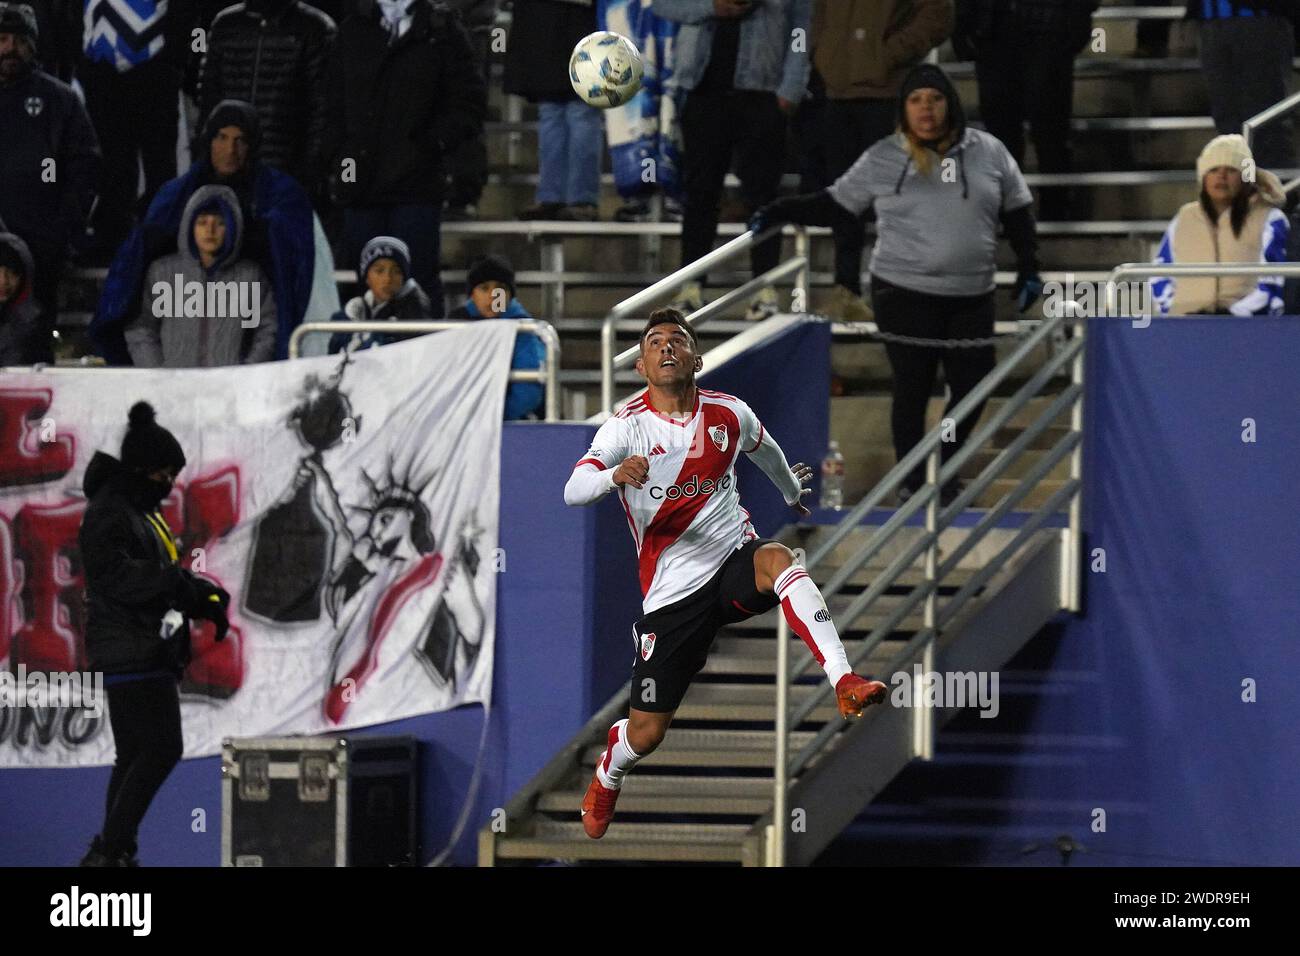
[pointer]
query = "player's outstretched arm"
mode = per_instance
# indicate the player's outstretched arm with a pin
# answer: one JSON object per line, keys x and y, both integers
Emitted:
{"x": 590, "y": 481}
{"x": 789, "y": 479}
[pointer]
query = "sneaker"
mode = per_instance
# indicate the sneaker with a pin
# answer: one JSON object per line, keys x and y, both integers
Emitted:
{"x": 543, "y": 210}
{"x": 634, "y": 210}
{"x": 854, "y": 693}
{"x": 460, "y": 212}
{"x": 98, "y": 855}
{"x": 846, "y": 306}
{"x": 690, "y": 299}
{"x": 579, "y": 212}
{"x": 598, "y": 808}
{"x": 763, "y": 306}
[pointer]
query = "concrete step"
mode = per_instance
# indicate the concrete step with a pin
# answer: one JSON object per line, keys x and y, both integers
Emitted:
{"x": 662, "y": 842}
{"x": 754, "y": 656}
{"x": 715, "y": 749}
{"x": 710, "y": 701}
{"x": 837, "y": 604}
{"x": 667, "y": 793}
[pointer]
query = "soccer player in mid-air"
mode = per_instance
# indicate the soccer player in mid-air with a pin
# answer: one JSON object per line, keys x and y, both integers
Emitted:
{"x": 671, "y": 454}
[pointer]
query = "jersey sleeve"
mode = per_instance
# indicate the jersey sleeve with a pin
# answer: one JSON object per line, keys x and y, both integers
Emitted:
{"x": 593, "y": 475}
{"x": 608, "y": 447}
{"x": 751, "y": 429}
{"x": 763, "y": 451}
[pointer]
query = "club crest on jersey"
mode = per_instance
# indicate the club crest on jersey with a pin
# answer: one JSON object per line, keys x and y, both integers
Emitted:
{"x": 33, "y": 105}
{"x": 647, "y": 645}
{"x": 719, "y": 435}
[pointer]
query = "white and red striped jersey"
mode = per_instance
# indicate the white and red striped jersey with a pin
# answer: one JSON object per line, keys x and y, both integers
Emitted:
{"x": 687, "y": 518}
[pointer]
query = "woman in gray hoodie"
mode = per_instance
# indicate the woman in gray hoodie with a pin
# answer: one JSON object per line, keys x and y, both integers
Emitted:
{"x": 940, "y": 190}
{"x": 203, "y": 305}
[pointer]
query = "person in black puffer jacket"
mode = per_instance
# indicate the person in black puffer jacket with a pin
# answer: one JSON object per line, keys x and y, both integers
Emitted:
{"x": 403, "y": 96}
{"x": 42, "y": 121}
{"x": 133, "y": 583}
{"x": 272, "y": 53}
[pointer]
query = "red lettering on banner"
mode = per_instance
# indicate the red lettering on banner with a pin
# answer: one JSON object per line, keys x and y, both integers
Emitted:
{"x": 24, "y": 458}
{"x": 45, "y": 542}
{"x": 42, "y": 582}
{"x": 211, "y": 510}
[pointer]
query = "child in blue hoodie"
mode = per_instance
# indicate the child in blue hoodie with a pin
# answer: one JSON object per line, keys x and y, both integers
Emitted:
{"x": 490, "y": 285}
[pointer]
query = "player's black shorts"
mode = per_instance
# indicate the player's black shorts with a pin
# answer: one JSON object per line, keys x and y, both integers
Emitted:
{"x": 673, "y": 642}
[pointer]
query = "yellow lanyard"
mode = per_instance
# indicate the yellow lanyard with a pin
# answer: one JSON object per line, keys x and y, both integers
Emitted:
{"x": 159, "y": 524}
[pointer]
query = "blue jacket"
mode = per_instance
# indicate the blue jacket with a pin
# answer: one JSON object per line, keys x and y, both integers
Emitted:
{"x": 772, "y": 57}
{"x": 521, "y": 397}
{"x": 277, "y": 204}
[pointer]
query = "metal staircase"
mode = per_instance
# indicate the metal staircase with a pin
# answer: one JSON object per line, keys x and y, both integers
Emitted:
{"x": 946, "y": 598}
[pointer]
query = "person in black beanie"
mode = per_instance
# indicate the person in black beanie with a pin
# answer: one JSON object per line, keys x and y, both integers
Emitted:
{"x": 138, "y": 604}
{"x": 941, "y": 191}
{"x": 490, "y": 294}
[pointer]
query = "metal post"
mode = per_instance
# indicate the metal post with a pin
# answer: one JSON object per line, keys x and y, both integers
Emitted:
{"x": 781, "y": 763}
{"x": 1074, "y": 555}
{"x": 514, "y": 139}
{"x": 608, "y": 341}
{"x": 801, "y": 250}
{"x": 553, "y": 286}
{"x": 923, "y": 725}
{"x": 932, "y": 533}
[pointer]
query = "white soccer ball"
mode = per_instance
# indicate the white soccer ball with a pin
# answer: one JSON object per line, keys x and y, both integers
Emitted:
{"x": 605, "y": 69}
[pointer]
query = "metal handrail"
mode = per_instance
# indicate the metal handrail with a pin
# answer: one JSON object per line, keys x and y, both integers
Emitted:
{"x": 719, "y": 305}
{"x": 1278, "y": 109}
{"x": 1165, "y": 269}
{"x": 673, "y": 282}
{"x": 937, "y": 519}
{"x": 548, "y": 374}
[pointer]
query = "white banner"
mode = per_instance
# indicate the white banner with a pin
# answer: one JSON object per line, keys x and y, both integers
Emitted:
{"x": 348, "y": 505}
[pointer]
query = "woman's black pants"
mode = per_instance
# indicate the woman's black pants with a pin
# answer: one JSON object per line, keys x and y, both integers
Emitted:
{"x": 905, "y": 312}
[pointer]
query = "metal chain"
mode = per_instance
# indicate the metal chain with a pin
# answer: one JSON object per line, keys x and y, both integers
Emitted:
{"x": 921, "y": 342}
{"x": 940, "y": 343}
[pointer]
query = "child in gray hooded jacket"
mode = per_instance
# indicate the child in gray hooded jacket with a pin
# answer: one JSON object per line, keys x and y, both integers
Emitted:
{"x": 203, "y": 305}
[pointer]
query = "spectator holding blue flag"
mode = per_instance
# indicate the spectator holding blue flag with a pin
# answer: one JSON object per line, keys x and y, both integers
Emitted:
{"x": 1238, "y": 217}
{"x": 643, "y": 134}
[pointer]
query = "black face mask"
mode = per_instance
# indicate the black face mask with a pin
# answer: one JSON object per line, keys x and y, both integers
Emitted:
{"x": 148, "y": 492}
{"x": 157, "y": 490}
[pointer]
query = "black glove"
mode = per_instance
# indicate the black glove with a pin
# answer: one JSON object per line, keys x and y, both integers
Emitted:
{"x": 211, "y": 601}
{"x": 1028, "y": 287}
{"x": 222, "y": 623}
{"x": 774, "y": 213}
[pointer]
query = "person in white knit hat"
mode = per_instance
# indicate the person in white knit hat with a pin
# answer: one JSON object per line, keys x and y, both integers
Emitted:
{"x": 1238, "y": 217}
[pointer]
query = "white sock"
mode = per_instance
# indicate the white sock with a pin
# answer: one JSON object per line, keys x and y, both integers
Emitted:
{"x": 806, "y": 612}
{"x": 617, "y": 759}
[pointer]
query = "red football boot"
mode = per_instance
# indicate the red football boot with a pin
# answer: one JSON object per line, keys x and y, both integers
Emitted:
{"x": 854, "y": 693}
{"x": 598, "y": 808}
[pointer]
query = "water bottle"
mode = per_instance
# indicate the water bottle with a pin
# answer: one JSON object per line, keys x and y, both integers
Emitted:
{"x": 832, "y": 494}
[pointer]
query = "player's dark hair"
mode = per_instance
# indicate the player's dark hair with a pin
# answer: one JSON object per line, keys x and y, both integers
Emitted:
{"x": 672, "y": 317}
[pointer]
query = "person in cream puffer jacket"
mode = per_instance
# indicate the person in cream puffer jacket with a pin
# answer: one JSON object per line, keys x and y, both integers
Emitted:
{"x": 1233, "y": 220}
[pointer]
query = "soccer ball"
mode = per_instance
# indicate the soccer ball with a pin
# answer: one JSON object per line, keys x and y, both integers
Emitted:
{"x": 605, "y": 69}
